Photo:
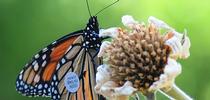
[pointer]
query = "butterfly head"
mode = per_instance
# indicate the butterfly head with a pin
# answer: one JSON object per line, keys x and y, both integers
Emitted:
{"x": 93, "y": 24}
{"x": 91, "y": 34}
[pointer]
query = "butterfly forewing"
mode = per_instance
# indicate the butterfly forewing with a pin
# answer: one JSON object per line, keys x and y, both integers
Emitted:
{"x": 34, "y": 79}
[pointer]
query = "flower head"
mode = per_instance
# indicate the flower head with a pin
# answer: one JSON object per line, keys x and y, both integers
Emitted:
{"x": 141, "y": 58}
{"x": 138, "y": 56}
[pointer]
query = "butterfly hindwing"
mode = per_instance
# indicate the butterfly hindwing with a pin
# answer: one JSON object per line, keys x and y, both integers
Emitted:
{"x": 84, "y": 66}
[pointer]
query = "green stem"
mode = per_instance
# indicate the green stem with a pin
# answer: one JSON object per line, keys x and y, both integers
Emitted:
{"x": 176, "y": 93}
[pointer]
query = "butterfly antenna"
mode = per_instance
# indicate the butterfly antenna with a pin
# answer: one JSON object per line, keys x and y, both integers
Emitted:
{"x": 88, "y": 7}
{"x": 107, "y": 7}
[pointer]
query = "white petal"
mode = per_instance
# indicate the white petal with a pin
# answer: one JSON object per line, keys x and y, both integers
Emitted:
{"x": 107, "y": 89}
{"x": 179, "y": 50}
{"x": 104, "y": 45}
{"x": 171, "y": 71}
{"x": 173, "y": 68}
{"x": 186, "y": 47}
{"x": 159, "y": 84}
{"x": 128, "y": 21}
{"x": 111, "y": 90}
{"x": 178, "y": 35}
{"x": 103, "y": 74}
{"x": 126, "y": 89}
{"x": 175, "y": 45}
{"x": 185, "y": 53}
{"x": 159, "y": 23}
{"x": 110, "y": 32}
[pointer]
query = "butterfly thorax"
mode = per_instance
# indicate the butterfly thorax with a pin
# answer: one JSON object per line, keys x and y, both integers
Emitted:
{"x": 91, "y": 34}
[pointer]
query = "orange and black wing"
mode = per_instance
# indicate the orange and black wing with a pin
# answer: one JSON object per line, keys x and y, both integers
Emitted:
{"x": 35, "y": 78}
{"x": 77, "y": 53}
{"x": 84, "y": 64}
{"x": 81, "y": 60}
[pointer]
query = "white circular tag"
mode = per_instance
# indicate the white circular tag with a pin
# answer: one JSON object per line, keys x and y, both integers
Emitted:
{"x": 71, "y": 82}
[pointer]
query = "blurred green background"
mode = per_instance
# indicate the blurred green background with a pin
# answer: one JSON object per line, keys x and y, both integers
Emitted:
{"x": 26, "y": 26}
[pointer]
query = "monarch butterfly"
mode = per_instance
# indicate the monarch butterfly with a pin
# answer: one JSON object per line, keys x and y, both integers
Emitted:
{"x": 45, "y": 75}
